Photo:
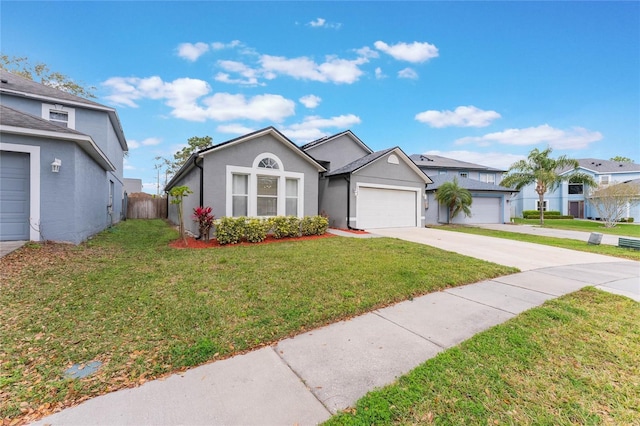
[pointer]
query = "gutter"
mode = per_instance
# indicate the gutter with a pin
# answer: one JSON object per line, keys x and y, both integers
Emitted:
{"x": 348, "y": 179}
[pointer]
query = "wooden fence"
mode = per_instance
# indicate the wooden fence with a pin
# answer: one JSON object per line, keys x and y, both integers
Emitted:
{"x": 146, "y": 208}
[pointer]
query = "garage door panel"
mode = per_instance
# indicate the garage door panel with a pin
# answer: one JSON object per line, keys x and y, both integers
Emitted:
{"x": 14, "y": 196}
{"x": 386, "y": 208}
{"x": 483, "y": 210}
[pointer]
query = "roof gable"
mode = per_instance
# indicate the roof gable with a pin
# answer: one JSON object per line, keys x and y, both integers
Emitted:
{"x": 367, "y": 160}
{"x": 259, "y": 133}
{"x": 328, "y": 139}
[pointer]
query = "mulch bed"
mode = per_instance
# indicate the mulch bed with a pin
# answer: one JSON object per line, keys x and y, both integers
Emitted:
{"x": 192, "y": 243}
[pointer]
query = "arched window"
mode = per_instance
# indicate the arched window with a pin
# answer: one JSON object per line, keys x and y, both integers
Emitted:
{"x": 265, "y": 189}
{"x": 268, "y": 163}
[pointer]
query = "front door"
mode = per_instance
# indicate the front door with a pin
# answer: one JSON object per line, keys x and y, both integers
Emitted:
{"x": 576, "y": 209}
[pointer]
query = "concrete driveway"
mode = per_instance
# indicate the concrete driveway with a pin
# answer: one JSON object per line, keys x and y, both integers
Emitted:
{"x": 525, "y": 256}
{"x": 611, "y": 240}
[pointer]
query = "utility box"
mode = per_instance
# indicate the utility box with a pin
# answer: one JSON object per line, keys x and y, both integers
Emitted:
{"x": 595, "y": 238}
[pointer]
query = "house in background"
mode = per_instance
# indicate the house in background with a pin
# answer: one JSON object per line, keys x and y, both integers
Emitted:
{"x": 490, "y": 200}
{"x": 132, "y": 186}
{"x": 61, "y": 163}
{"x": 571, "y": 198}
{"x": 264, "y": 174}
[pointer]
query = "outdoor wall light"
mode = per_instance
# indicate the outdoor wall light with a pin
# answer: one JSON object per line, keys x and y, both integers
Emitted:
{"x": 55, "y": 166}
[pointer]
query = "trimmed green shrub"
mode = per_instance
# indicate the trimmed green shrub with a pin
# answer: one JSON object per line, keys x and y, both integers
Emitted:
{"x": 553, "y": 216}
{"x": 314, "y": 225}
{"x": 626, "y": 220}
{"x": 230, "y": 230}
{"x": 256, "y": 229}
{"x": 285, "y": 226}
{"x": 537, "y": 213}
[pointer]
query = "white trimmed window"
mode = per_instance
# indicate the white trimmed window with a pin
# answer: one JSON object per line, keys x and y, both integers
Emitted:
{"x": 488, "y": 177}
{"x": 265, "y": 189}
{"x": 59, "y": 115}
{"x": 544, "y": 205}
{"x": 605, "y": 179}
{"x": 239, "y": 195}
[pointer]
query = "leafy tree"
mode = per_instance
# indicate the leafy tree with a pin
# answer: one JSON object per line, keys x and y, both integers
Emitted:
{"x": 456, "y": 198}
{"x": 194, "y": 144}
{"x": 612, "y": 201}
{"x": 622, "y": 159}
{"x": 40, "y": 72}
{"x": 544, "y": 172}
{"x": 177, "y": 193}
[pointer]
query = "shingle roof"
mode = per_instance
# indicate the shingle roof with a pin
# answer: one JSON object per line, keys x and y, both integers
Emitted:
{"x": 359, "y": 163}
{"x": 24, "y": 85}
{"x": 606, "y": 166}
{"x": 327, "y": 138}
{"x": 15, "y": 118}
{"x": 466, "y": 183}
{"x": 439, "y": 162}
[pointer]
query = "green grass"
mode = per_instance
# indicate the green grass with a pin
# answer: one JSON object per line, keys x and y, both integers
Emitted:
{"x": 622, "y": 229}
{"x": 573, "y": 361}
{"x": 144, "y": 309}
{"x": 625, "y": 253}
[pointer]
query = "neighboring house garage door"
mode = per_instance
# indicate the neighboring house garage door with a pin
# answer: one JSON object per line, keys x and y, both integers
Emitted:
{"x": 14, "y": 196}
{"x": 483, "y": 210}
{"x": 386, "y": 208}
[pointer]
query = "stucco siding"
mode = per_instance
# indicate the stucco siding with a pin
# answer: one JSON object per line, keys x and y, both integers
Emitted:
{"x": 333, "y": 201}
{"x": 191, "y": 180}
{"x": 339, "y": 151}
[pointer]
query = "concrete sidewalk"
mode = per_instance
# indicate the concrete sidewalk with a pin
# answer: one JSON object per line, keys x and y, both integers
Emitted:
{"x": 607, "y": 239}
{"x": 307, "y": 378}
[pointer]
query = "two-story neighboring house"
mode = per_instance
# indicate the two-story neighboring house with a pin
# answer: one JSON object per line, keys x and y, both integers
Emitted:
{"x": 490, "y": 200}
{"x": 571, "y": 198}
{"x": 61, "y": 163}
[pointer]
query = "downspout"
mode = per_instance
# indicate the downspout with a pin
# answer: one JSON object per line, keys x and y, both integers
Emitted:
{"x": 195, "y": 163}
{"x": 349, "y": 205}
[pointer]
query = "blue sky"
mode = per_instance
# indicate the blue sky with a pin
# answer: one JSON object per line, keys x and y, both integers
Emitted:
{"x": 484, "y": 82}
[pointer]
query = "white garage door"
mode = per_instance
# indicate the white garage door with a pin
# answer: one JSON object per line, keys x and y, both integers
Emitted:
{"x": 14, "y": 196}
{"x": 483, "y": 210}
{"x": 386, "y": 208}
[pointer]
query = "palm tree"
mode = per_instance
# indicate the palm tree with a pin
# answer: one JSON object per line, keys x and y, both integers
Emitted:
{"x": 545, "y": 173}
{"x": 456, "y": 198}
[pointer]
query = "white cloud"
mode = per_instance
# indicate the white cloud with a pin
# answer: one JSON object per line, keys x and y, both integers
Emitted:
{"x": 192, "y": 52}
{"x": 234, "y": 128}
{"x": 322, "y": 23}
{"x": 311, "y": 127}
{"x": 250, "y": 75}
{"x": 415, "y": 52}
{"x": 367, "y": 52}
{"x": 379, "y": 74}
{"x": 310, "y": 101}
{"x": 498, "y": 160}
{"x": 217, "y": 45}
{"x": 133, "y": 144}
{"x": 188, "y": 100}
{"x": 462, "y": 116}
{"x": 334, "y": 70}
{"x": 408, "y": 73}
{"x": 126, "y": 165}
{"x": 574, "y": 138}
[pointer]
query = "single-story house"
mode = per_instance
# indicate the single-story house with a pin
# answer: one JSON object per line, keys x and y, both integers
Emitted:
{"x": 490, "y": 202}
{"x": 61, "y": 163}
{"x": 264, "y": 174}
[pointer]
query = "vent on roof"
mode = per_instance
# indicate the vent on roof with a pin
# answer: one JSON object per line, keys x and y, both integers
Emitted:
{"x": 3, "y": 81}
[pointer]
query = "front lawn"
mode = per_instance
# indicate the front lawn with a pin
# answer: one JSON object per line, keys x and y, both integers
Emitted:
{"x": 624, "y": 253}
{"x": 622, "y": 229}
{"x": 572, "y": 361}
{"x": 143, "y": 309}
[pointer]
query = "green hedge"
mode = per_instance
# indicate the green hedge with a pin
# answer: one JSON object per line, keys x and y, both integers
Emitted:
{"x": 537, "y": 213}
{"x": 550, "y": 217}
{"x": 232, "y": 230}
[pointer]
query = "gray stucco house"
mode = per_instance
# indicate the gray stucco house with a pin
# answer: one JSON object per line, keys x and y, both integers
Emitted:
{"x": 264, "y": 174}
{"x": 491, "y": 202}
{"x": 61, "y": 163}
